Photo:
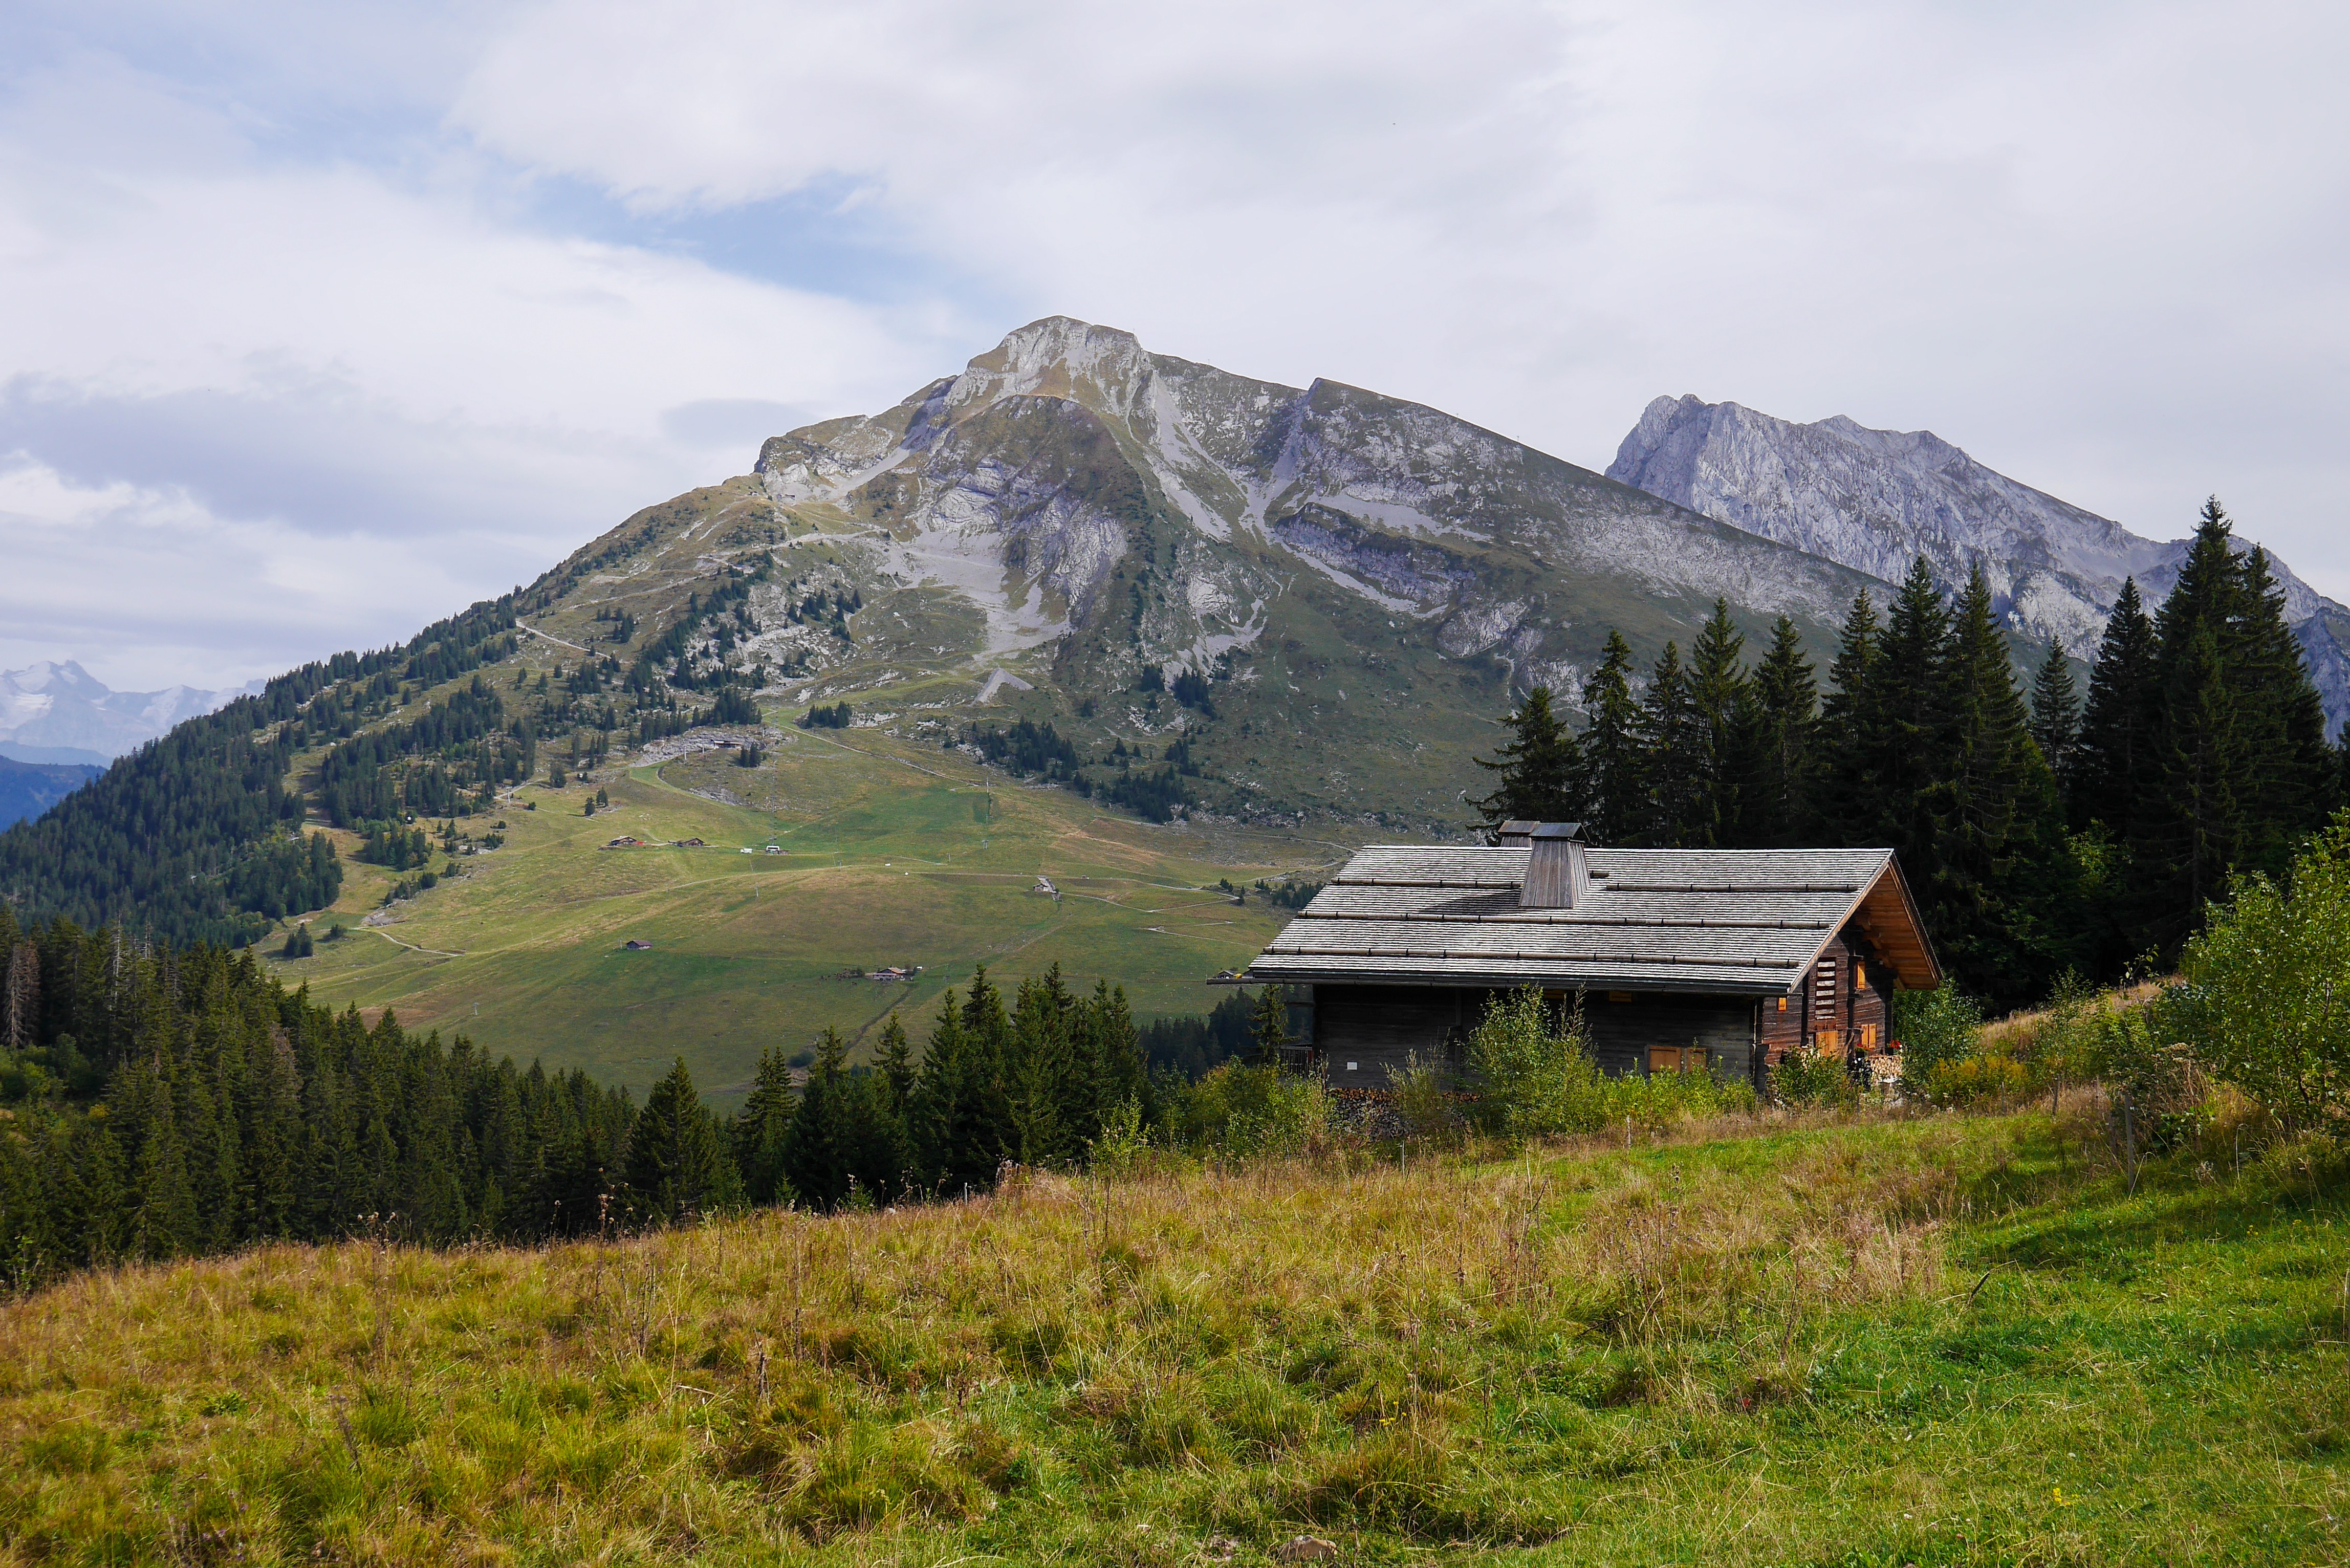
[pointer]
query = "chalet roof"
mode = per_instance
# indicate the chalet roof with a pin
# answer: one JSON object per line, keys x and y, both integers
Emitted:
{"x": 1741, "y": 921}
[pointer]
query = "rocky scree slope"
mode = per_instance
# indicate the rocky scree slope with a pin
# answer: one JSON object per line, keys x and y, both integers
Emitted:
{"x": 1875, "y": 500}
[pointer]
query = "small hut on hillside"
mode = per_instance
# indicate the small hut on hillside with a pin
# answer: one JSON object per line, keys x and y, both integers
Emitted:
{"x": 1722, "y": 959}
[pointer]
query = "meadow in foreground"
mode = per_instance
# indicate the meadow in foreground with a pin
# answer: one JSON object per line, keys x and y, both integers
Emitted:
{"x": 1941, "y": 1340}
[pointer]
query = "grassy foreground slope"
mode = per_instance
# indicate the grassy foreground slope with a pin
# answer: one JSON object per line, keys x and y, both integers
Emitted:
{"x": 1927, "y": 1342}
{"x": 893, "y": 854}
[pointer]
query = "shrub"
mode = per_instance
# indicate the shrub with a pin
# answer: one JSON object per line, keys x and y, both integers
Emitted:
{"x": 1935, "y": 1027}
{"x": 1809, "y": 1078}
{"x": 1248, "y": 1111}
{"x": 1537, "y": 1078}
{"x": 1122, "y": 1145}
{"x": 1426, "y": 1100}
{"x": 1983, "y": 1076}
{"x": 2265, "y": 1001}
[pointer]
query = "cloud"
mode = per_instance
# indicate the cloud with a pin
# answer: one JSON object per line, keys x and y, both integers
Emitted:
{"x": 348, "y": 347}
{"x": 2088, "y": 244}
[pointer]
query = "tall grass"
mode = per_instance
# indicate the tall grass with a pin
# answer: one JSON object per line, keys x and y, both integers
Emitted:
{"x": 1341, "y": 1344}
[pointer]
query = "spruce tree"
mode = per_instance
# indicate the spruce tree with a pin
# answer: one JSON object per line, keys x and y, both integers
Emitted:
{"x": 1784, "y": 743}
{"x": 1614, "y": 757}
{"x": 2115, "y": 738}
{"x": 2291, "y": 792}
{"x": 1721, "y": 702}
{"x": 2186, "y": 816}
{"x": 1976, "y": 894}
{"x": 2187, "y": 820}
{"x": 1845, "y": 802}
{"x": 2055, "y": 711}
{"x": 1540, "y": 768}
{"x": 1033, "y": 1071}
{"x": 1674, "y": 742}
{"x": 673, "y": 1159}
{"x": 1904, "y": 746}
{"x": 817, "y": 1144}
{"x": 760, "y": 1129}
{"x": 894, "y": 1059}
{"x": 1269, "y": 1026}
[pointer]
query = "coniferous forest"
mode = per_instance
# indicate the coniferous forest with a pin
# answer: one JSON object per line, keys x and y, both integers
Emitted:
{"x": 2041, "y": 831}
{"x": 159, "y": 1103}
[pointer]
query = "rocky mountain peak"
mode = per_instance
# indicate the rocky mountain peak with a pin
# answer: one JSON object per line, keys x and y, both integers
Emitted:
{"x": 1876, "y": 500}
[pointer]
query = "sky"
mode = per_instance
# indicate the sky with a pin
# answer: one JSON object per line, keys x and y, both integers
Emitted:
{"x": 323, "y": 322}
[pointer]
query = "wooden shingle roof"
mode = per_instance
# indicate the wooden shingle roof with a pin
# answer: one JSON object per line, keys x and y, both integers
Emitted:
{"x": 1749, "y": 921}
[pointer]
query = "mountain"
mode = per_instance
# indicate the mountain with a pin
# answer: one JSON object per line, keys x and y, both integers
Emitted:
{"x": 52, "y": 713}
{"x": 1360, "y": 579}
{"x": 1876, "y": 500}
{"x": 28, "y": 789}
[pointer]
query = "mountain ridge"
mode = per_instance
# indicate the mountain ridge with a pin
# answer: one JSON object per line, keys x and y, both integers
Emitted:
{"x": 1875, "y": 500}
{"x": 56, "y": 711}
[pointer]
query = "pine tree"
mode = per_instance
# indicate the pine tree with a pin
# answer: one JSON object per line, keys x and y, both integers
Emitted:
{"x": 1783, "y": 744}
{"x": 2055, "y": 711}
{"x": 1614, "y": 756}
{"x": 1540, "y": 768}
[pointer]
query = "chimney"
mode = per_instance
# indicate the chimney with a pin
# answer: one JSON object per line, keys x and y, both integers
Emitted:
{"x": 1556, "y": 871}
{"x": 1513, "y": 834}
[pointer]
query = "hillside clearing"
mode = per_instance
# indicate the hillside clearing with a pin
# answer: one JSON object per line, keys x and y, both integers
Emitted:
{"x": 1936, "y": 1341}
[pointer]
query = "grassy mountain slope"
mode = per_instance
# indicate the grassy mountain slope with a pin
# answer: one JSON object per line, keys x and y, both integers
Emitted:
{"x": 1930, "y": 1341}
{"x": 894, "y": 856}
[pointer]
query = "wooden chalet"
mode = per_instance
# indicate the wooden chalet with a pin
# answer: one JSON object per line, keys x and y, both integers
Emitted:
{"x": 1680, "y": 958}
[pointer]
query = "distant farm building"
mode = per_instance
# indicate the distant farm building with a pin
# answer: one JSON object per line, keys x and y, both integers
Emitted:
{"x": 1679, "y": 959}
{"x": 636, "y": 945}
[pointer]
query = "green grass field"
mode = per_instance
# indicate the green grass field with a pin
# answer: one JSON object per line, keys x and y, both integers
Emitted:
{"x": 1939, "y": 1341}
{"x": 893, "y": 854}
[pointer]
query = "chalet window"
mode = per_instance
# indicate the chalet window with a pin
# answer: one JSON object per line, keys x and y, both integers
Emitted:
{"x": 1619, "y": 996}
{"x": 1782, "y": 1004}
{"x": 1676, "y": 1058}
{"x": 1829, "y": 1041}
{"x": 1868, "y": 1036}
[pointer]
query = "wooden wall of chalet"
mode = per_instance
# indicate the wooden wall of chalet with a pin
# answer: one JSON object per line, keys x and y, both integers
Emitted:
{"x": 1845, "y": 1005}
{"x": 1365, "y": 1034}
{"x": 1634, "y": 1032}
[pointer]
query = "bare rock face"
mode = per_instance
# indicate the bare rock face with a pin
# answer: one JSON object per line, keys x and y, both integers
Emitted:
{"x": 1876, "y": 500}
{"x": 1070, "y": 478}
